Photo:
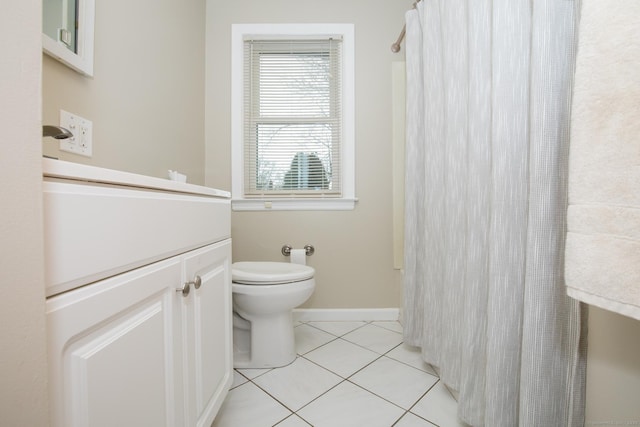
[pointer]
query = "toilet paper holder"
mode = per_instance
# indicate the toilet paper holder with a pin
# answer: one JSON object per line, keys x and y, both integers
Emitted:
{"x": 308, "y": 250}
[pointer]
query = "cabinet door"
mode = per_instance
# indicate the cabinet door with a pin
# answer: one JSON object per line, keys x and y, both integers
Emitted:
{"x": 208, "y": 348}
{"x": 114, "y": 351}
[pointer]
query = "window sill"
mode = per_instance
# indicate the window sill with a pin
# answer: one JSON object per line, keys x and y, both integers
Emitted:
{"x": 293, "y": 204}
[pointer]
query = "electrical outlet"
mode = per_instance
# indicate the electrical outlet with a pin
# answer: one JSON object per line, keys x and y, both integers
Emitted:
{"x": 82, "y": 129}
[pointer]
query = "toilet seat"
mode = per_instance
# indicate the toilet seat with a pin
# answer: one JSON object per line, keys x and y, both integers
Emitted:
{"x": 269, "y": 273}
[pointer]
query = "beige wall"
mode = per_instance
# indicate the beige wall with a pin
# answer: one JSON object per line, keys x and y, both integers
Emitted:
{"x": 146, "y": 85}
{"x": 613, "y": 369}
{"x": 146, "y": 99}
{"x": 354, "y": 258}
{"x": 23, "y": 375}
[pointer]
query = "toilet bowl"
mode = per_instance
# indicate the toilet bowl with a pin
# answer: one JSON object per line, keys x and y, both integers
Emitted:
{"x": 264, "y": 295}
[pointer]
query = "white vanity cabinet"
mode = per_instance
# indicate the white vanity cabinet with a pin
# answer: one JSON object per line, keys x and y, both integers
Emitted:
{"x": 139, "y": 299}
{"x": 114, "y": 351}
{"x": 207, "y": 342}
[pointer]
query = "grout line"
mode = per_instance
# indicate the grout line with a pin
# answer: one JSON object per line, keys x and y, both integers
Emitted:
{"x": 410, "y": 365}
{"x": 361, "y": 346}
{"x": 339, "y": 336}
{"x": 350, "y": 375}
{"x": 239, "y": 373}
{"x": 377, "y": 324}
{"x": 320, "y": 346}
{"x": 318, "y": 397}
{"x": 276, "y": 399}
{"x": 348, "y": 378}
{"x": 422, "y": 397}
{"x": 378, "y": 396}
{"x": 293, "y": 415}
{"x": 267, "y": 370}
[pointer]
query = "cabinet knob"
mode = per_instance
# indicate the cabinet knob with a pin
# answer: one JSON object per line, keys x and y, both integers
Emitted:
{"x": 197, "y": 282}
{"x": 185, "y": 289}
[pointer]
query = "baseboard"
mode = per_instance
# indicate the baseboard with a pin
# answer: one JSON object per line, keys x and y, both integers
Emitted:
{"x": 345, "y": 314}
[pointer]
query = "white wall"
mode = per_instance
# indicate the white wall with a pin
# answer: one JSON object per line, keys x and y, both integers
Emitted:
{"x": 23, "y": 398}
{"x": 146, "y": 98}
{"x": 354, "y": 249}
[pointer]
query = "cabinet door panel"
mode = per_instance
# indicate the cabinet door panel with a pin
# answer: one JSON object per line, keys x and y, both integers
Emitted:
{"x": 208, "y": 333}
{"x": 112, "y": 351}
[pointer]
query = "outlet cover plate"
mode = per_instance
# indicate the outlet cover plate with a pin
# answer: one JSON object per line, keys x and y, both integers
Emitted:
{"x": 82, "y": 129}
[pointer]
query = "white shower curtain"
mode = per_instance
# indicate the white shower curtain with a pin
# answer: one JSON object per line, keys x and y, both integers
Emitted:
{"x": 488, "y": 102}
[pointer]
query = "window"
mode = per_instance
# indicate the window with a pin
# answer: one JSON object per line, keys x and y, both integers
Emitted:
{"x": 292, "y": 136}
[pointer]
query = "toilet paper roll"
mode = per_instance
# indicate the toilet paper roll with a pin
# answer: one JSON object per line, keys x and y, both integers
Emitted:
{"x": 299, "y": 256}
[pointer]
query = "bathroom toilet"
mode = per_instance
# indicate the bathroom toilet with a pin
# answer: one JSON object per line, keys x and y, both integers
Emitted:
{"x": 264, "y": 295}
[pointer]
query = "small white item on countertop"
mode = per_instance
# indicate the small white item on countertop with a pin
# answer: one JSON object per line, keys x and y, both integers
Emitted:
{"x": 176, "y": 176}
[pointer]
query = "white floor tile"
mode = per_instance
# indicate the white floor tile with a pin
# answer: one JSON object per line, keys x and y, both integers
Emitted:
{"x": 337, "y": 328}
{"x": 383, "y": 377}
{"x": 439, "y": 407}
{"x": 309, "y": 338}
{"x": 293, "y": 421}
{"x": 391, "y": 325}
{"x": 347, "y": 405}
{"x": 298, "y": 383}
{"x": 253, "y": 373}
{"x": 238, "y": 379}
{"x": 248, "y": 406}
{"x": 410, "y": 420}
{"x": 399, "y": 383}
{"x": 342, "y": 357}
{"x": 374, "y": 338}
{"x": 411, "y": 356}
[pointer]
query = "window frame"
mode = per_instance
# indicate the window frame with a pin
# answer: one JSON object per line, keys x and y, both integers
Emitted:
{"x": 347, "y": 199}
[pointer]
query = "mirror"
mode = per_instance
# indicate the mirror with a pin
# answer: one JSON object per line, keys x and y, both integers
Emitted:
{"x": 67, "y": 32}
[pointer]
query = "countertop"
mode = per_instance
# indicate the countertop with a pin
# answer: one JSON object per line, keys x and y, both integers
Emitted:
{"x": 52, "y": 168}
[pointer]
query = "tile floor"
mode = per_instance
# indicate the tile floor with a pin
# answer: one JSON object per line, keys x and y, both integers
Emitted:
{"x": 346, "y": 374}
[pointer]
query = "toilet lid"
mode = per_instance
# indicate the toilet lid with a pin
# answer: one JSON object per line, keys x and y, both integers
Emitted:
{"x": 269, "y": 273}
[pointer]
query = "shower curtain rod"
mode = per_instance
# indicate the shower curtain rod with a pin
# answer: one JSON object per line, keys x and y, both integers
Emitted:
{"x": 395, "y": 48}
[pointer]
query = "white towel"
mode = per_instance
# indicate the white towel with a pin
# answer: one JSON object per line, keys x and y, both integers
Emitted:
{"x": 603, "y": 239}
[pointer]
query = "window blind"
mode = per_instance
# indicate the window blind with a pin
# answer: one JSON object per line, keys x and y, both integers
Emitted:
{"x": 292, "y": 117}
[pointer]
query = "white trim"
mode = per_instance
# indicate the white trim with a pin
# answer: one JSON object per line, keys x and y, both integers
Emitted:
{"x": 345, "y": 314}
{"x": 82, "y": 61}
{"x": 238, "y": 34}
{"x": 337, "y": 204}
